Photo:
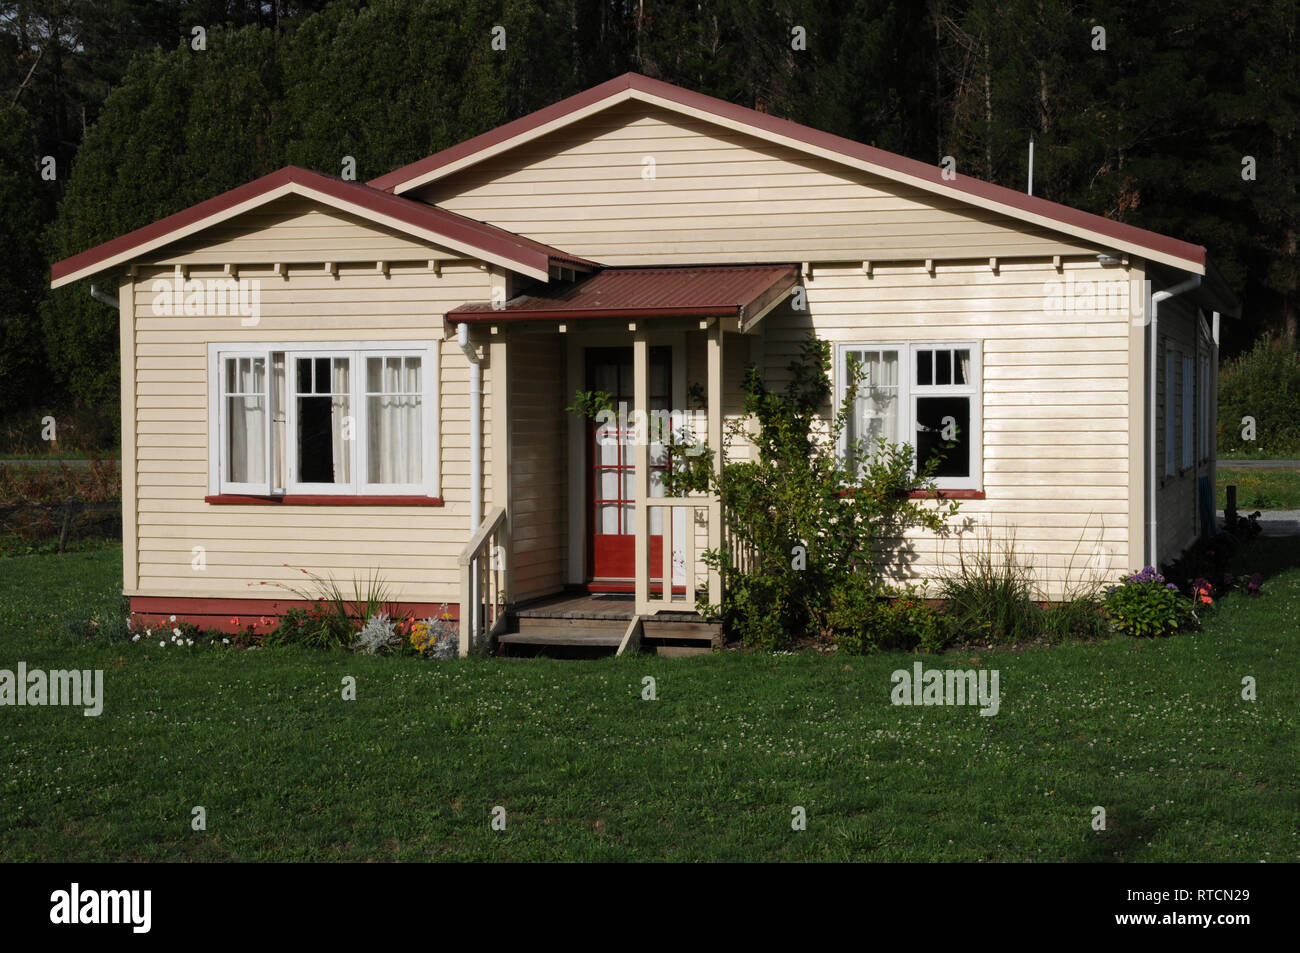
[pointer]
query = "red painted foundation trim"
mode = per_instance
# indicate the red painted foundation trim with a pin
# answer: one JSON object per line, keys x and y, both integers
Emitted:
{"x": 236, "y": 615}
{"x": 341, "y": 499}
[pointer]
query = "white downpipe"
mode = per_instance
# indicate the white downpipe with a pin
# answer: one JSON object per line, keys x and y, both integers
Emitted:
{"x": 104, "y": 297}
{"x": 475, "y": 428}
{"x": 1152, "y": 349}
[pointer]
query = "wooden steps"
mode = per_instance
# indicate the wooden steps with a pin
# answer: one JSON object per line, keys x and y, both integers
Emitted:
{"x": 598, "y": 623}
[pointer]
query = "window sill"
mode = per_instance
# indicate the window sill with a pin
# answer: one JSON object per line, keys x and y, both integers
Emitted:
{"x": 936, "y": 494}
{"x": 239, "y": 499}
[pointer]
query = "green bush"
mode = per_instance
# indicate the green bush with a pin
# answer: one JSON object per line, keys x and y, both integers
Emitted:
{"x": 805, "y": 526}
{"x": 1145, "y": 605}
{"x": 1079, "y": 618}
{"x": 1263, "y": 383}
{"x": 864, "y": 620}
{"x": 989, "y": 597}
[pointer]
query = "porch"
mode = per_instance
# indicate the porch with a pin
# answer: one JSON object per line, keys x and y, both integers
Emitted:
{"x": 582, "y": 547}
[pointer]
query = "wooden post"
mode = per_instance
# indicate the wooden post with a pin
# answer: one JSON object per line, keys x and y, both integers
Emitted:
{"x": 499, "y": 365}
{"x": 641, "y": 512}
{"x": 715, "y": 444}
{"x": 1230, "y": 505}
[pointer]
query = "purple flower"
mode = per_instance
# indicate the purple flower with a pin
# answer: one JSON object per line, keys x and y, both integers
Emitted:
{"x": 1170, "y": 585}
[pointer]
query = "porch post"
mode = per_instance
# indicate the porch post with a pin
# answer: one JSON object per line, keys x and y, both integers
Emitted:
{"x": 499, "y": 364}
{"x": 641, "y": 451}
{"x": 715, "y": 444}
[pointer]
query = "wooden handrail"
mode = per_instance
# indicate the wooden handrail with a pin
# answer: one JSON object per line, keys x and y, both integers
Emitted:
{"x": 491, "y": 523}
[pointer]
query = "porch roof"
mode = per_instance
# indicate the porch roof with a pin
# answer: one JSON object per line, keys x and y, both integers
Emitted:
{"x": 706, "y": 291}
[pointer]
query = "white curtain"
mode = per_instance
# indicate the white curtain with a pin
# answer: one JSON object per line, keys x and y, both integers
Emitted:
{"x": 876, "y": 407}
{"x": 395, "y": 397}
{"x": 963, "y": 360}
{"x": 338, "y": 413}
{"x": 246, "y": 413}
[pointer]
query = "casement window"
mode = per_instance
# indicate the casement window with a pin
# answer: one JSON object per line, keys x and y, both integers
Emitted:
{"x": 1203, "y": 389}
{"x": 328, "y": 419}
{"x": 925, "y": 395}
{"x": 1171, "y": 359}
{"x": 1189, "y": 413}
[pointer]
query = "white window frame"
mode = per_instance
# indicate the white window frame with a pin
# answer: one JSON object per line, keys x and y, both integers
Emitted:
{"x": 1171, "y": 355}
{"x": 219, "y": 422}
{"x": 1188, "y": 408}
{"x": 292, "y": 485}
{"x": 909, "y": 391}
{"x": 431, "y": 377}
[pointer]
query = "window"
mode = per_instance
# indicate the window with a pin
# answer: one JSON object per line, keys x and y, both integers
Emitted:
{"x": 1189, "y": 417}
{"x": 337, "y": 419}
{"x": 1170, "y": 363}
{"x": 926, "y": 395}
{"x": 1203, "y": 388}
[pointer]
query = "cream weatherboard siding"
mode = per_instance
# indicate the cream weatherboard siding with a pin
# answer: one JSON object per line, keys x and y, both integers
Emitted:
{"x": 295, "y": 229}
{"x": 538, "y": 464}
{"x": 1176, "y": 509}
{"x": 414, "y": 548}
{"x": 716, "y": 196}
{"x": 1054, "y": 385}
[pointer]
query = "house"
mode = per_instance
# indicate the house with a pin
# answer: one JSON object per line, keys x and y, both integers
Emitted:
{"x": 349, "y": 377}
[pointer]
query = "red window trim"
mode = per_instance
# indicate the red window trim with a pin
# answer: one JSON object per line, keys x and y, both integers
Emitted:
{"x": 240, "y": 499}
{"x": 937, "y": 494}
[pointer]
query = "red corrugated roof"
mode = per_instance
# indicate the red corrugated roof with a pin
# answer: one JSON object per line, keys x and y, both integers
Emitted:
{"x": 692, "y": 291}
{"x": 363, "y": 198}
{"x": 763, "y": 124}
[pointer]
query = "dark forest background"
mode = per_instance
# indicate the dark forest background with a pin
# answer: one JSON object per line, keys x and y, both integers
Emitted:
{"x": 1152, "y": 130}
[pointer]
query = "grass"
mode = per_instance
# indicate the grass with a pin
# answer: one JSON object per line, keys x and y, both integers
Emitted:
{"x": 1155, "y": 732}
{"x": 1271, "y": 489}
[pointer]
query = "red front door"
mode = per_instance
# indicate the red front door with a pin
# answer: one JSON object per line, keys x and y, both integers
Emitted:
{"x": 611, "y": 467}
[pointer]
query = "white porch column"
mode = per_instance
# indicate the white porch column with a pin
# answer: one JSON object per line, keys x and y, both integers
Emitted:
{"x": 641, "y": 454}
{"x": 715, "y": 444}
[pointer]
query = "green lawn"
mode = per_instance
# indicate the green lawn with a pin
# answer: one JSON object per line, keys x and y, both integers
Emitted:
{"x": 1271, "y": 489}
{"x": 1155, "y": 732}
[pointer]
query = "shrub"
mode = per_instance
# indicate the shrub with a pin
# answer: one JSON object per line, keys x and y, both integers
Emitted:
{"x": 1145, "y": 605}
{"x": 377, "y": 637}
{"x": 990, "y": 595}
{"x": 864, "y": 620}
{"x": 436, "y": 638}
{"x": 333, "y": 620}
{"x": 802, "y": 521}
{"x": 1263, "y": 383}
{"x": 1080, "y": 617}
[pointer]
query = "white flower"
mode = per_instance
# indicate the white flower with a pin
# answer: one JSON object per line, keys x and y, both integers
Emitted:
{"x": 162, "y": 645}
{"x": 189, "y": 641}
{"x": 173, "y": 618}
{"x": 175, "y": 631}
{"x": 135, "y": 638}
{"x": 225, "y": 641}
{"x": 149, "y": 632}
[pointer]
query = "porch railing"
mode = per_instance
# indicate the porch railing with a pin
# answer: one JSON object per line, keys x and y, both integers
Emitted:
{"x": 484, "y": 583}
{"x": 695, "y": 539}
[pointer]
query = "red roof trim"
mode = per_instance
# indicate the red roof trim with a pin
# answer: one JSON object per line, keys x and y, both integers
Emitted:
{"x": 477, "y": 235}
{"x": 813, "y": 137}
